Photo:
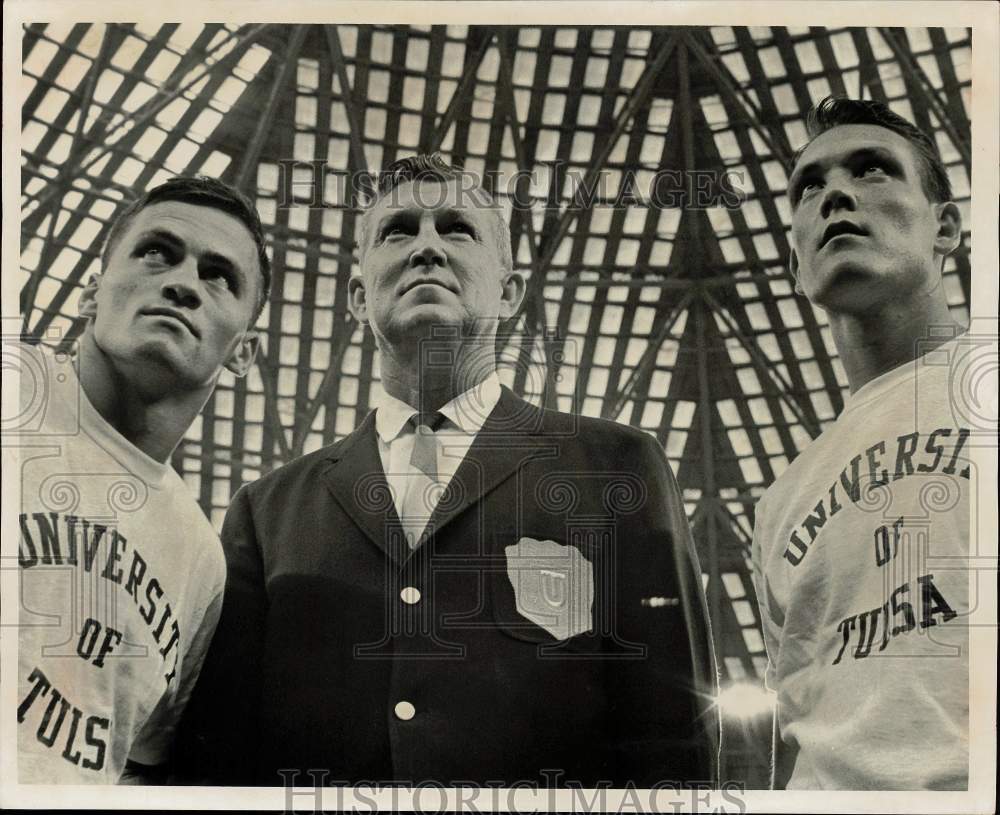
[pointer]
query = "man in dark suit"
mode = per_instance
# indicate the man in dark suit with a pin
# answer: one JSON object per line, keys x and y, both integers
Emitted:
{"x": 466, "y": 589}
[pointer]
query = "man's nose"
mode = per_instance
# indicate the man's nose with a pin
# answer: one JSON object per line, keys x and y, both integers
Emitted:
{"x": 429, "y": 251}
{"x": 837, "y": 196}
{"x": 428, "y": 255}
{"x": 180, "y": 286}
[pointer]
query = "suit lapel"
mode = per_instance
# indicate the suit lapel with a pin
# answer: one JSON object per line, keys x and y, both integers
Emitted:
{"x": 509, "y": 437}
{"x": 357, "y": 481}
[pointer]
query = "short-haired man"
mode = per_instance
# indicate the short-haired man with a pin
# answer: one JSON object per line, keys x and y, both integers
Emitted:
{"x": 860, "y": 546}
{"x": 121, "y": 573}
{"x": 467, "y": 589}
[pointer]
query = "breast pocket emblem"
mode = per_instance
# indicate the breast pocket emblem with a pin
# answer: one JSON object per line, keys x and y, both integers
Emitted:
{"x": 553, "y": 586}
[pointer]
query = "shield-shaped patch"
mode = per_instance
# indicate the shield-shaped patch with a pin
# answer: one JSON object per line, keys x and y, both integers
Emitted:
{"x": 553, "y": 586}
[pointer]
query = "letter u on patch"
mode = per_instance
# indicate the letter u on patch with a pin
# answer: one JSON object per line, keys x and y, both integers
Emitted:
{"x": 553, "y": 586}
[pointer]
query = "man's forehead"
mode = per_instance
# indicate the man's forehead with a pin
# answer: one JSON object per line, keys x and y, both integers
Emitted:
{"x": 434, "y": 194}
{"x": 163, "y": 214}
{"x": 842, "y": 140}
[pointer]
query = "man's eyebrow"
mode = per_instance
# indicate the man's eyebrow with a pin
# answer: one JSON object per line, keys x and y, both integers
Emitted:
{"x": 211, "y": 257}
{"x": 390, "y": 217}
{"x": 859, "y": 154}
{"x": 164, "y": 235}
{"x": 880, "y": 153}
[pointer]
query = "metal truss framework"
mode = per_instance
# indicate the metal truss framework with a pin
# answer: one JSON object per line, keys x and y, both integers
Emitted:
{"x": 678, "y": 318}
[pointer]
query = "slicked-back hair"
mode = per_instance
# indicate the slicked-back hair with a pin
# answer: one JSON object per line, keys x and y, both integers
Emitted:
{"x": 424, "y": 167}
{"x": 836, "y": 111}
{"x": 201, "y": 191}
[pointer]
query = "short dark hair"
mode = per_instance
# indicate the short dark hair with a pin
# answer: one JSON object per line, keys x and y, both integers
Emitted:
{"x": 205, "y": 192}
{"x": 835, "y": 111}
{"x": 431, "y": 167}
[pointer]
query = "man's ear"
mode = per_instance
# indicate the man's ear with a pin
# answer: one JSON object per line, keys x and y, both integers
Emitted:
{"x": 949, "y": 234}
{"x": 793, "y": 267}
{"x": 241, "y": 359}
{"x": 87, "y": 304}
{"x": 512, "y": 289}
{"x": 357, "y": 302}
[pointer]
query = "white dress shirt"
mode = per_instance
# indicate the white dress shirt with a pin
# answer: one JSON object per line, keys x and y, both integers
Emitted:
{"x": 464, "y": 418}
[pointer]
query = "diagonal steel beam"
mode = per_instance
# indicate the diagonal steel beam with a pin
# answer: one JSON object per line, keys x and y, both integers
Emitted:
{"x": 355, "y": 130}
{"x": 77, "y": 147}
{"x": 537, "y": 322}
{"x": 705, "y": 408}
{"x": 147, "y": 112}
{"x": 637, "y": 99}
{"x": 271, "y": 415}
{"x": 648, "y": 358}
{"x": 763, "y": 366}
{"x": 303, "y": 422}
{"x": 344, "y": 330}
{"x": 509, "y": 107}
{"x": 776, "y": 142}
{"x": 461, "y": 94}
{"x": 288, "y": 64}
{"x": 930, "y": 95}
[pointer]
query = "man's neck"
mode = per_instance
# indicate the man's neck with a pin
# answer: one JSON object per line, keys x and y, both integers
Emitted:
{"x": 432, "y": 387}
{"x": 153, "y": 423}
{"x": 874, "y": 344}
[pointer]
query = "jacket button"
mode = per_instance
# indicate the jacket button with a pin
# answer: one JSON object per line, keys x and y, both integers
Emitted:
{"x": 404, "y": 711}
{"x": 410, "y": 595}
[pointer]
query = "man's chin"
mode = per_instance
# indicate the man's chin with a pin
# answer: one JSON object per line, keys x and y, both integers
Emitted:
{"x": 850, "y": 289}
{"x": 162, "y": 365}
{"x": 425, "y": 320}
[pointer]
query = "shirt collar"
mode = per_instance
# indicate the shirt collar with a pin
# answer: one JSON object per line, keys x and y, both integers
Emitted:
{"x": 468, "y": 411}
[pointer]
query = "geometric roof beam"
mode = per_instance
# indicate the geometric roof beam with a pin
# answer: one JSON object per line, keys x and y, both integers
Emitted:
{"x": 929, "y": 94}
{"x": 951, "y": 86}
{"x": 506, "y": 108}
{"x": 636, "y": 99}
{"x": 246, "y": 177}
{"x": 771, "y": 134}
{"x": 699, "y": 316}
{"x": 331, "y": 62}
{"x": 764, "y": 370}
{"x": 507, "y": 105}
{"x": 534, "y": 308}
{"x": 110, "y": 41}
{"x": 647, "y": 362}
{"x": 268, "y": 377}
{"x": 356, "y": 154}
{"x": 705, "y": 408}
{"x": 557, "y": 226}
{"x": 144, "y": 115}
{"x": 465, "y": 87}
{"x": 869, "y": 77}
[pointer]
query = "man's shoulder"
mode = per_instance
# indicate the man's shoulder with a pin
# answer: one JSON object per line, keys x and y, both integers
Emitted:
{"x": 305, "y": 467}
{"x": 589, "y": 429}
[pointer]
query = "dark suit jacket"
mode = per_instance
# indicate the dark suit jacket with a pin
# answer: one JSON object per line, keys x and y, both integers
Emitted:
{"x": 315, "y": 647}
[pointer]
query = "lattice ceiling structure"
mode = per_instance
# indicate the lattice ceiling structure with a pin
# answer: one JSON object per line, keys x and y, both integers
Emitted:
{"x": 676, "y": 319}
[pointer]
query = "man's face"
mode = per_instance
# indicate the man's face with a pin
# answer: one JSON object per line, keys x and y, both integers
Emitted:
{"x": 177, "y": 296}
{"x": 863, "y": 229}
{"x": 431, "y": 258}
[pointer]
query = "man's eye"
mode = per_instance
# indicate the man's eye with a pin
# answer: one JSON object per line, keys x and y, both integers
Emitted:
{"x": 461, "y": 228}
{"x": 155, "y": 253}
{"x": 808, "y": 186}
{"x": 397, "y": 231}
{"x": 873, "y": 169}
{"x": 220, "y": 276}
